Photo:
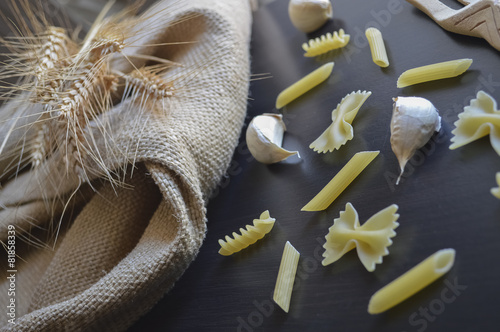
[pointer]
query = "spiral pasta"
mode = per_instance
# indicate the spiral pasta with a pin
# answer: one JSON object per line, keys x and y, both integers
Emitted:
{"x": 248, "y": 236}
{"x": 326, "y": 43}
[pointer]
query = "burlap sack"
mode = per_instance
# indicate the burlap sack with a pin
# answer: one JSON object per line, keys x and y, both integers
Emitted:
{"x": 124, "y": 249}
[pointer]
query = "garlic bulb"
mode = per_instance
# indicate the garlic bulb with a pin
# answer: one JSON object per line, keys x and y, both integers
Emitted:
{"x": 413, "y": 122}
{"x": 309, "y": 15}
{"x": 264, "y": 137}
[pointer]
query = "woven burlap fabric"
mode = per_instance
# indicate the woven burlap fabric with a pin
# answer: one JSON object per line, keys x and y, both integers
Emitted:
{"x": 121, "y": 249}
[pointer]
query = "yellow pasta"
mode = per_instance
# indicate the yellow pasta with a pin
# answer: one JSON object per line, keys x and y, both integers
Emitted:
{"x": 370, "y": 240}
{"x": 325, "y": 43}
{"x": 477, "y": 120}
{"x": 260, "y": 227}
{"x": 340, "y": 181}
{"x": 433, "y": 72}
{"x": 340, "y": 131}
{"x": 377, "y": 47}
{"x": 286, "y": 276}
{"x": 496, "y": 191}
{"x": 304, "y": 84}
{"x": 412, "y": 281}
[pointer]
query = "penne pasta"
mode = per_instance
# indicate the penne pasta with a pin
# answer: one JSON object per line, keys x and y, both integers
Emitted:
{"x": 370, "y": 240}
{"x": 341, "y": 131}
{"x": 433, "y": 72}
{"x": 340, "y": 181}
{"x": 248, "y": 236}
{"x": 477, "y": 120}
{"x": 412, "y": 281}
{"x": 377, "y": 47}
{"x": 304, "y": 84}
{"x": 325, "y": 43}
{"x": 496, "y": 191}
{"x": 286, "y": 276}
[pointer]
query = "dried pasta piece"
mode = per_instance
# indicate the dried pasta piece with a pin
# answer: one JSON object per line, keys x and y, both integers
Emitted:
{"x": 248, "y": 236}
{"x": 496, "y": 191}
{"x": 286, "y": 276}
{"x": 433, "y": 72}
{"x": 477, "y": 120}
{"x": 305, "y": 84}
{"x": 340, "y": 181}
{"x": 412, "y": 281}
{"x": 377, "y": 47}
{"x": 371, "y": 240}
{"x": 340, "y": 131}
{"x": 326, "y": 43}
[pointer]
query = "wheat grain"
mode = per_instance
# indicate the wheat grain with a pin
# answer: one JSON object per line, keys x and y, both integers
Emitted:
{"x": 72, "y": 87}
{"x": 147, "y": 81}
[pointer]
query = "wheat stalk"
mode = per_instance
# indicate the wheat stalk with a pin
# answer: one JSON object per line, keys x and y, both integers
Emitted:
{"x": 148, "y": 81}
{"x": 72, "y": 87}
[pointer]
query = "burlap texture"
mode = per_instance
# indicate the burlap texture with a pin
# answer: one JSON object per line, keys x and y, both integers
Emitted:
{"x": 118, "y": 255}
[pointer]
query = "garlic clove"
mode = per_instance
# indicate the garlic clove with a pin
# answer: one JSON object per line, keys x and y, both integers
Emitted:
{"x": 309, "y": 15}
{"x": 414, "y": 120}
{"x": 264, "y": 137}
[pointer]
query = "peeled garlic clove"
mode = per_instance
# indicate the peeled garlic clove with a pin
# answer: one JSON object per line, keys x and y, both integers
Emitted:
{"x": 264, "y": 137}
{"x": 413, "y": 122}
{"x": 309, "y": 15}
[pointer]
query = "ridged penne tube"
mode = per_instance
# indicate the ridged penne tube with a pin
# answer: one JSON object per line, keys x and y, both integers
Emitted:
{"x": 341, "y": 131}
{"x": 433, "y": 72}
{"x": 248, "y": 236}
{"x": 377, "y": 47}
{"x": 286, "y": 276}
{"x": 412, "y": 281}
{"x": 480, "y": 118}
{"x": 304, "y": 84}
{"x": 340, "y": 181}
{"x": 370, "y": 240}
{"x": 325, "y": 43}
{"x": 496, "y": 191}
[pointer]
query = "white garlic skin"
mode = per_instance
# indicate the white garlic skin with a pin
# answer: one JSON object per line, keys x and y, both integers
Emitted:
{"x": 264, "y": 137}
{"x": 309, "y": 15}
{"x": 414, "y": 121}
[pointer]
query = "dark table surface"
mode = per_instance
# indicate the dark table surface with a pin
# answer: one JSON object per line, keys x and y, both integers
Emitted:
{"x": 444, "y": 198}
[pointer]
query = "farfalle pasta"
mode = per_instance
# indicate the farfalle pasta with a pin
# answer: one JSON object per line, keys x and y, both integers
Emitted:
{"x": 477, "y": 120}
{"x": 248, "y": 236}
{"x": 370, "y": 240}
{"x": 326, "y": 43}
{"x": 341, "y": 131}
{"x": 496, "y": 191}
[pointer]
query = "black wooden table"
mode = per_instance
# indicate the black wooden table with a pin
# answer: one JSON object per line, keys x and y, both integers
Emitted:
{"x": 444, "y": 198}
